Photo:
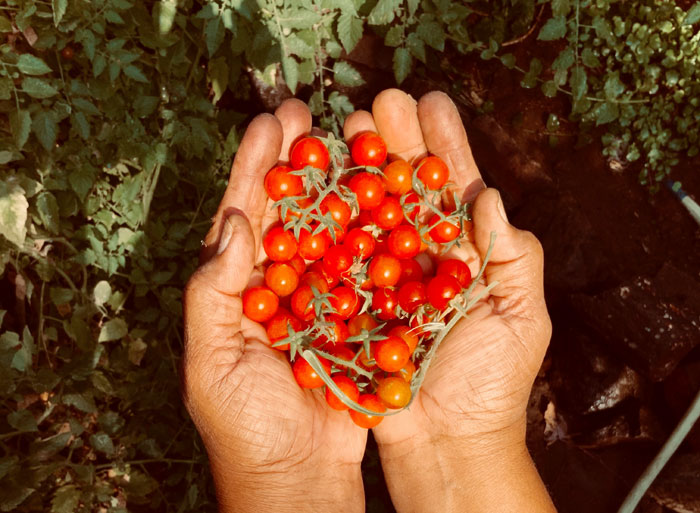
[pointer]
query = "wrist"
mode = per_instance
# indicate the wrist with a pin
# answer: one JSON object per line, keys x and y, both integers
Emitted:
{"x": 289, "y": 488}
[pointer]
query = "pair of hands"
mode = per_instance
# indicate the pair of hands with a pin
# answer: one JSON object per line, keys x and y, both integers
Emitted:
{"x": 276, "y": 447}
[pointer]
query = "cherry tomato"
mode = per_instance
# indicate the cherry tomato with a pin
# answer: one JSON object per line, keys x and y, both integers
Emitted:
{"x": 280, "y": 245}
{"x": 394, "y": 392}
{"x": 259, "y": 304}
{"x": 360, "y": 243}
{"x": 345, "y": 302}
{"x": 410, "y": 271}
{"x": 309, "y": 151}
{"x": 384, "y": 302}
{"x": 418, "y": 323}
{"x": 441, "y": 289}
{"x": 367, "y": 362}
{"x": 411, "y": 295}
{"x": 280, "y": 183}
{"x": 340, "y": 211}
{"x": 315, "y": 279}
{"x": 306, "y": 376}
{"x": 348, "y": 387}
{"x": 294, "y": 212}
{"x": 332, "y": 281}
{"x": 406, "y": 373}
{"x": 368, "y": 188}
{"x": 397, "y": 177}
{"x": 281, "y": 278}
{"x": 368, "y": 149}
{"x": 298, "y": 263}
{"x": 67, "y": 53}
{"x": 370, "y": 402}
{"x": 337, "y": 260}
{"x": 410, "y": 212}
{"x": 351, "y": 282}
{"x": 457, "y": 269}
{"x": 433, "y": 172}
{"x": 391, "y": 353}
{"x": 343, "y": 352}
{"x": 388, "y": 214}
{"x": 407, "y": 335}
{"x": 385, "y": 270}
{"x": 312, "y": 247}
{"x": 339, "y": 332}
{"x": 443, "y": 231}
{"x": 276, "y": 327}
{"x": 301, "y": 303}
{"x": 404, "y": 241}
{"x": 361, "y": 322}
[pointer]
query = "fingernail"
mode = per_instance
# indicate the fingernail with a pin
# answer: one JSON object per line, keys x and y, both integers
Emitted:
{"x": 501, "y": 209}
{"x": 226, "y": 234}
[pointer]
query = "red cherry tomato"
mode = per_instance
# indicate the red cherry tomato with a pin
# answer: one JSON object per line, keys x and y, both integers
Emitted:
{"x": 397, "y": 177}
{"x": 410, "y": 271}
{"x": 404, "y": 241}
{"x": 441, "y": 289}
{"x": 406, "y": 334}
{"x": 388, "y": 214}
{"x": 281, "y": 278}
{"x": 301, "y": 303}
{"x": 339, "y": 333}
{"x": 294, "y": 213}
{"x": 384, "y": 302}
{"x": 280, "y": 245}
{"x": 457, "y": 269}
{"x": 259, "y": 304}
{"x": 315, "y": 279}
{"x": 345, "y": 302}
{"x": 309, "y": 151}
{"x": 332, "y": 281}
{"x": 343, "y": 352}
{"x": 340, "y": 211}
{"x": 280, "y": 183}
{"x": 406, "y": 373}
{"x": 276, "y": 327}
{"x": 443, "y": 231}
{"x": 306, "y": 376}
{"x": 368, "y": 149}
{"x": 348, "y": 387}
{"x": 298, "y": 263}
{"x": 433, "y": 172}
{"x": 360, "y": 243}
{"x": 312, "y": 247}
{"x": 410, "y": 211}
{"x": 370, "y": 402}
{"x": 412, "y": 295}
{"x": 394, "y": 392}
{"x": 337, "y": 260}
{"x": 67, "y": 53}
{"x": 368, "y": 188}
{"x": 361, "y": 322}
{"x": 391, "y": 354}
{"x": 385, "y": 270}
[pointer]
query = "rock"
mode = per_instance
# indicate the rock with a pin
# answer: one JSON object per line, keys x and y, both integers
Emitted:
{"x": 646, "y": 320}
{"x": 678, "y": 485}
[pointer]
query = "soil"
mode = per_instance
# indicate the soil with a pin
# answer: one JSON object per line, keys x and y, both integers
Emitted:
{"x": 622, "y": 271}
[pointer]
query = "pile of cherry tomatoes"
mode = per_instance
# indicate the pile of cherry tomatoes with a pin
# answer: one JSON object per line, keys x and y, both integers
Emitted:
{"x": 354, "y": 275}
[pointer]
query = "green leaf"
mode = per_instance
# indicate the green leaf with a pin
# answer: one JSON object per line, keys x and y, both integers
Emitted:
{"x": 555, "y": 28}
{"x": 300, "y": 19}
{"x": 214, "y": 33}
{"x": 86, "y": 106}
{"x": 613, "y": 86}
{"x": 45, "y": 127}
{"x": 349, "y": 30}
{"x": 693, "y": 15}
{"x": 589, "y": 58}
{"x": 114, "y": 17}
{"x": 32, "y": 65}
{"x": 508, "y": 60}
{"x": 606, "y": 113}
{"x": 13, "y": 496}
{"x": 346, "y": 75}
{"x": 298, "y": 46}
{"x": 549, "y": 89}
{"x": 65, "y": 500}
{"x": 22, "y": 420}
{"x": 433, "y": 34}
{"x": 38, "y": 88}
{"x": 81, "y": 125}
{"x": 164, "y": 15}
{"x": 602, "y": 28}
{"x": 5, "y": 24}
{"x": 59, "y": 9}
{"x": 21, "y": 125}
{"x": 218, "y": 73}
{"x": 48, "y": 211}
{"x": 578, "y": 81}
{"x": 383, "y": 13}
{"x": 13, "y": 212}
{"x": 83, "y": 402}
{"x": 561, "y": 7}
{"x": 135, "y": 73}
{"x": 103, "y": 443}
{"x": 81, "y": 179}
{"x": 290, "y": 68}
{"x": 402, "y": 64}
{"x": 61, "y": 295}
{"x": 102, "y": 292}
{"x": 113, "y": 329}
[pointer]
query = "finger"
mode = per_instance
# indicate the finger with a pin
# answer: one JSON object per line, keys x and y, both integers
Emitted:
{"x": 257, "y": 153}
{"x": 356, "y": 123}
{"x": 396, "y": 118}
{"x": 516, "y": 263}
{"x": 445, "y": 137}
{"x": 295, "y": 118}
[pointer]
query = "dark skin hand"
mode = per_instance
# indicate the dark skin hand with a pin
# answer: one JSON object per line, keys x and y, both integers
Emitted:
{"x": 276, "y": 447}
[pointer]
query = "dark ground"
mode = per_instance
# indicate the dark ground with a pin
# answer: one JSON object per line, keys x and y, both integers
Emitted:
{"x": 622, "y": 275}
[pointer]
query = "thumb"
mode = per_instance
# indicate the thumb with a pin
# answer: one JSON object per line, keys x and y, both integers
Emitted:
{"x": 516, "y": 262}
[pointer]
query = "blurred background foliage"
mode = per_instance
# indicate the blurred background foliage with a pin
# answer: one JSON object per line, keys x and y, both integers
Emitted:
{"x": 119, "y": 122}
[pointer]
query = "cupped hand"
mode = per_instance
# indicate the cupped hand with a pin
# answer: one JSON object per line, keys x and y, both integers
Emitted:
{"x": 272, "y": 445}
